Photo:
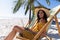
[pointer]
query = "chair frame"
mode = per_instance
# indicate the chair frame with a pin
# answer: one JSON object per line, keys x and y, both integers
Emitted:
{"x": 51, "y": 17}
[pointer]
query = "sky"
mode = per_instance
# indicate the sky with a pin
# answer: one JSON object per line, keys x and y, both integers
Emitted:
{"x": 6, "y": 8}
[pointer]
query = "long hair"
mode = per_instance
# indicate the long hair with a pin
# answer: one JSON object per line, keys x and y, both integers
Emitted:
{"x": 45, "y": 16}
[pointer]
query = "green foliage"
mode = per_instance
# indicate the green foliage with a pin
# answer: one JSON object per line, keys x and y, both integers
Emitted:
{"x": 58, "y": 0}
{"x": 29, "y": 5}
{"x": 18, "y": 5}
{"x": 26, "y": 9}
{"x": 48, "y": 2}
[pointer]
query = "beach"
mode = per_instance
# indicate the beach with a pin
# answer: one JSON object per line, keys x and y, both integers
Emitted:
{"x": 6, "y": 26}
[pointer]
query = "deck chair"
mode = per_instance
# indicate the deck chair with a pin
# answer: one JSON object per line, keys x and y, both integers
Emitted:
{"x": 19, "y": 37}
{"x": 53, "y": 13}
{"x": 52, "y": 16}
{"x": 33, "y": 23}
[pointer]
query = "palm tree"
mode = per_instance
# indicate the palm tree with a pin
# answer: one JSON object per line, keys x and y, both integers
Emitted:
{"x": 29, "y": 5}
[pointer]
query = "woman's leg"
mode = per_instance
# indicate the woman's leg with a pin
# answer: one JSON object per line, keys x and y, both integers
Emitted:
{"x": 13, "y": 32}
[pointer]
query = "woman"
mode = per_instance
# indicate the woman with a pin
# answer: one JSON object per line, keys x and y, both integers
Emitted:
{"x": 41, "y": 20}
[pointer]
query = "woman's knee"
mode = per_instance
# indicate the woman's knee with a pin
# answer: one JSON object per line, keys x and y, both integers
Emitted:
{"x": 15, "y": 27}
{"x": 18, "y": 27}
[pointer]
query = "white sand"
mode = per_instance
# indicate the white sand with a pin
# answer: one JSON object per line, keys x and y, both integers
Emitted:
{"x": 6, "y": 26}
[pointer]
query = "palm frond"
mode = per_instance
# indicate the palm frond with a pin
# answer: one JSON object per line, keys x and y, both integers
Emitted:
{"x": 32, "y": 15}
{"x": 25, "y": 4}
{"x": 26, "y": 9}
{"x": 32, "y": 22}
{"x": 48, "y": 2}
{"x": 58, "y": 0}
{"x": 18, "y": 5}
{"x": 32, "y": 6}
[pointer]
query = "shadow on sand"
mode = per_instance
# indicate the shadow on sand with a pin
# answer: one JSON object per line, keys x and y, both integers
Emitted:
{"x": 56, "y": 36}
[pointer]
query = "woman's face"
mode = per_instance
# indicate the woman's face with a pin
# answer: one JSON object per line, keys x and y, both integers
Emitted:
{"x": 41, "y": 14}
